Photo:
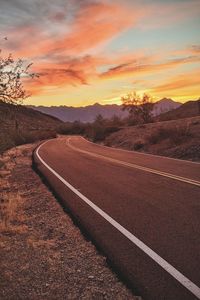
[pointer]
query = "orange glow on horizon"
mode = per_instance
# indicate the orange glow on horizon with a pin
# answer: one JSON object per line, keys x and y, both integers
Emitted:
{"x": 101, "y": 50}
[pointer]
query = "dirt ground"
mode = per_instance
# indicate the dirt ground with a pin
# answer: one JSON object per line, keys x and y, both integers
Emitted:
{"x": 43, "y": 254}
{"x": 176, "y": 138}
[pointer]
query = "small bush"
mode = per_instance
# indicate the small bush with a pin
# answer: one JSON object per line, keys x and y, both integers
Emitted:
{"x": 138, "y": 145}
{"x": 176, "y": 135}
{"x": 1, "y": 164}
{"x": 13, "y": 138}
{"x": 99, "y": 133}
{"x": 72, "y": 128}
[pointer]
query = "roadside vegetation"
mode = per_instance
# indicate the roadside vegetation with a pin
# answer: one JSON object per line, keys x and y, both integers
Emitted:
{"x": 174, "y": 138}
{"x": 140, "y": 131}
{"x": 96, "y": 131}
{"x": 31, "y": 126}
{"x": 139, "y": 108}
{"x": 19, "y": 125}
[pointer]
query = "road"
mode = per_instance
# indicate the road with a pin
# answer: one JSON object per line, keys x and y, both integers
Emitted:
{"x": 142, "y": 211}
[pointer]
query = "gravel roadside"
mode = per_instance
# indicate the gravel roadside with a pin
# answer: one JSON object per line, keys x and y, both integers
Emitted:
{"x": 43, "y": 254}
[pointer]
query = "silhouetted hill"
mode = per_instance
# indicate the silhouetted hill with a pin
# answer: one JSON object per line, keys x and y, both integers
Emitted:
{"x": 164, "y": 105}
{"x": 187, "y": 110}
{"x": 19, "y": 124}
{"x": 89, "y": 113}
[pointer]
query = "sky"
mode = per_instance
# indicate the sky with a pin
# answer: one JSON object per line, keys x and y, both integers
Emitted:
{"x": 88, "y": 51}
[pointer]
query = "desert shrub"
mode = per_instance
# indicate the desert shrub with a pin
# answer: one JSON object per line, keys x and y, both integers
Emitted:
{"x": 13, "y": 138}
{"x": 175, "y": 135}
{"x": 115, "y": 121}
{"x": 72, "y": 128}
{"x": 6, "y": 140}
{"x": 1, "y": 164}
{"x": 138, "y": 145}
{"x": 180, "y": 135}
{"x": 36, "y": 135}
{"x": 98, "y": 133}
{"x": 130, "y": 121}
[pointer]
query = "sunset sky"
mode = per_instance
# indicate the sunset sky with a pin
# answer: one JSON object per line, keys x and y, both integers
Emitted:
{"x": 89, "y": 51}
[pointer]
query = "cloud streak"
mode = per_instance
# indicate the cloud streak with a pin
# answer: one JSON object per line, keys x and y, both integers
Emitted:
{"x": 136, "y": 68}
{"x": 180, "y": 82}
{"x": 71, "y": 42}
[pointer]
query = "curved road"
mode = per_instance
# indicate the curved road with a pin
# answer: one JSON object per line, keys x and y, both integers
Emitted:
{"x": 143, "y": 211}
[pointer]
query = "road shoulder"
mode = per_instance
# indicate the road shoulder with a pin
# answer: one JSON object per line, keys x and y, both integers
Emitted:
{"x": 43, "y": 254}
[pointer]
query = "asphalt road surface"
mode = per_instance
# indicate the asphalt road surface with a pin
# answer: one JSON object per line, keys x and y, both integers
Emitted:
{"x": 142, "y": 211}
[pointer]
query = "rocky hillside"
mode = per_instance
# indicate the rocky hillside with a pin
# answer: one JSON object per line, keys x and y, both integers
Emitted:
{"x": 187, "y": 110}
{"x": 19, "y": 125}
{"x": 175, "y": 138}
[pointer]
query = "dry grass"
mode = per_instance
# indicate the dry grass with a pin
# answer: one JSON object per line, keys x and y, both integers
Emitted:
{"x": 9, "y": 204}
{"x": 177, "y": 138}
{"x": 175, "y": 135}
{"x": 43, "y": 255}
{"x": 11, "y": 138}
{"x": 35, "y": 243}
{"x": 20, "y": 125}
{"x": 10, "y": 199}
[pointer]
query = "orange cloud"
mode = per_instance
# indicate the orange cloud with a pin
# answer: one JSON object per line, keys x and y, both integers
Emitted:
{"x": 179, "y": 82}
{"x": 69, "y": 72}
{"x": 93, "y": 25}
{"x": 96, "y": 24}
{"x": 127, "y": 69}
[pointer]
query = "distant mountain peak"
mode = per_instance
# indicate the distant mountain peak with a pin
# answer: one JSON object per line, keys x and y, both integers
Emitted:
{"x": 164, "y": 105}
{"x": 166, "y": 100}
{"x": 89, "y": 113}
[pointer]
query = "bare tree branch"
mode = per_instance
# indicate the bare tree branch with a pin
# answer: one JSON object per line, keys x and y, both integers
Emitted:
{"x": 12, "y": 73}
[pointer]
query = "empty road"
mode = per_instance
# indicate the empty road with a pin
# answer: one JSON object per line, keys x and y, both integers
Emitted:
{"x": 142, "y": 211}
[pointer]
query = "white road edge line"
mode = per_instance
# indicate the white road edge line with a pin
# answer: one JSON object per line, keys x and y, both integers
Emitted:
{"x": 188, "y": 284}
{"x": 126, "y": 164}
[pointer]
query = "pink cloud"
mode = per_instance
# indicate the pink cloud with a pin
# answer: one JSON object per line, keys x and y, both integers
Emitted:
{"x": 129, "y": 68}
{"x": 94, "y": 25}
{"x": 180, "y": 82}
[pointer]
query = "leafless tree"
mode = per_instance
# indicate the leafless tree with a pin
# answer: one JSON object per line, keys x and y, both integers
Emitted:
{"x": 139, "y": 108}
{"x": 11, "y": 74}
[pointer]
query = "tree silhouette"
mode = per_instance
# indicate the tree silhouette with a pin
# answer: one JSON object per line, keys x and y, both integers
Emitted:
{"x": 139, "y": 108}
{"x": 11, "y": 74}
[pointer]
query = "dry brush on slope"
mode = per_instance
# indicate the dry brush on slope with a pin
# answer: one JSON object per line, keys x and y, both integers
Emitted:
{"x": 31, "y": 126}
{"x": 177, "y": 138}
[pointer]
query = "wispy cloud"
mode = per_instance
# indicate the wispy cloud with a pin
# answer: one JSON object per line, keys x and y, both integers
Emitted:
{"x": 180, "y": 82}
{"x": 69, "y": 41}
{"x": 129, "y": 69}
{"x": 73, "y": 31}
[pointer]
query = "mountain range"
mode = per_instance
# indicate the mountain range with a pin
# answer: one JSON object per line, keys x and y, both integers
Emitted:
{"x": 89, "y": 113}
